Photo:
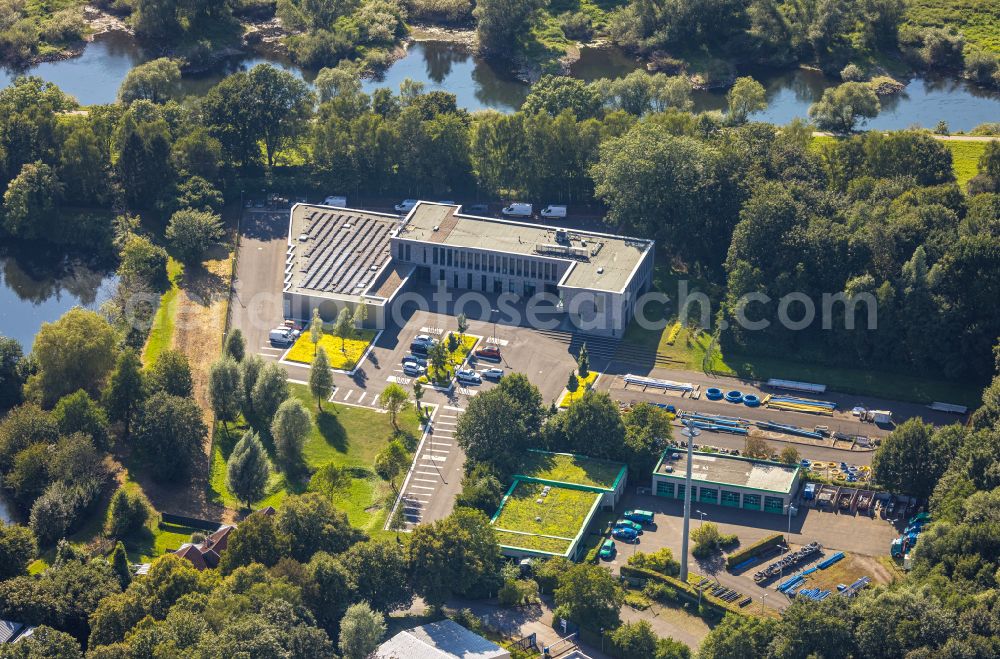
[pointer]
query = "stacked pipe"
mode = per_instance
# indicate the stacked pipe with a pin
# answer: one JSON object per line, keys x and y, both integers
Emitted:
{"x": 795, "y": 404}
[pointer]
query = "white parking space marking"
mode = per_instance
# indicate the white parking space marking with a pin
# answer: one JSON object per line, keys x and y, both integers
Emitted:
{"x": 447, "y": 423}
{"x": 425, "y": 480}
{"x": 270, "y": 349}
{"x": 436, "y": 458}
{"x": 457, "y": 409}
{"x": 362, "y": 397}
{"x": 467, "y": 392}
{"x": 434, "y": 450}
{"x": 422, "y": 487}
{"x": 495, "y": 341}
{"x": 348, "y": 394}
{"x": 431, "y": 330}
{"x": 440, "y": 443}
{"x": 398, "y": 380}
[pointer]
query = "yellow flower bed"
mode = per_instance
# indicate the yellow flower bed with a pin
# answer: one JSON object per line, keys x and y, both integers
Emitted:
{"x": 343, "y": 359}
{"x": 675, "y": 329}
{"x": 568, "y": 398}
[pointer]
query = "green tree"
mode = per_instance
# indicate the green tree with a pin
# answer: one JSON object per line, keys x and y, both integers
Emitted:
{"x": 455, "y": 555}
{"x": 591, "y": 426}
{"x": 236, "y": 345}
{"x": 501, "y": 24}
{"x": 328, "y": 592}
{"x": 757, "y": 447}
{"x": 315, "y": 328}
{"x": 75, "y": 352}
{"x": 269, "y": 392}
{"x": 256, "y": 540}
{"x": 789, "y": 455}
{"x": 739, "y": 637}
{"x": 43, "y": 643}
{"x": 321, "y": 378}
{"x": 23, "y": 426}
{"x": 418, "y": 393}
{"x": 247, "y": 469}
{"x": 197, "y": 153}
{"x": 745, "y": 97}
{"x": 635, "y": 640}
{"x": 842, "y": 107}
{"x": 13, "y": 373}
{"x": 380, "y": 574}
{"x": 169, "y": 435}
{"x": 192, "y": 232}
{"x": 313, "y": 524}
{"x": 29, "y": 475}
{"x": 583, "y": 362}
{"x": 437, "y": 358}
{"x": 79, "y": 413}
{"x": 361, "y": 631}
{"x": 909, "y": 460}
{"x": 126, "y": 390}
{"x": 589, "y": 596}
{"x": 360, "y": 316}
{"x": 119, "y": 562}
{"x": 250, "y": 370}
{"x": 171, "y": 373}
{"x": 343, "y": 328}
{"x": 481, "y": 489}
{"x": 17, "y": 549}
{"x": 157, "y": 80}
{"x": 648, "y": 432}
{"x": 127, "y": 513}
{"x": 224, "y": 389}
{"x": 393, "y": 400}
{"x": 573, "y": 383}
{"x": 492, "y": 431}
{"x": 290, "y": 428}
{"x": 30, "y": 204}
{"x": 553, "y": 94}
{"x": 144, "y": 261}
{"x": 391, "y": 461}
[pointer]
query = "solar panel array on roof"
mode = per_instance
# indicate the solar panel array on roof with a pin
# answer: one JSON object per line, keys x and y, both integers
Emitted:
{"x": 342, "y": 251}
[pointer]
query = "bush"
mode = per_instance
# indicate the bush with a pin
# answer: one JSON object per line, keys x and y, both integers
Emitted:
{"x": 54, "y": 512}
{"x": 441, "y": 11}
{"x": 576, "y": 25}
{"x": 756, "y": 549}
{"x": 661, "y": 561}
{"x": 127, "y": 513}
{"x": 852, "y": 73}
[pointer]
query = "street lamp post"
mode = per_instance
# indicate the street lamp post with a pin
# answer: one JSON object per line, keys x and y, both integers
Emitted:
{"x": 492, "y": 312}
{"x": 690, "y": 432}
{"x": 703, "y": 516}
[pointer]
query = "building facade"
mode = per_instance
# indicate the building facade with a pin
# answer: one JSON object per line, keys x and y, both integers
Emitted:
{"x": 725, "y": 480}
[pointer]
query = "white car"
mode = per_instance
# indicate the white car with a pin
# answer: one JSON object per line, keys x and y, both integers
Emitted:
{"x": 494, "y": 373}
{"x": 405, "y": 206}
{"x": 338, "y": 202}
{"x": 281, "y": 336}
{"x": 413, "y": 370}
{"x": 554, "y": 212}
{"x": 518, "y": 209}
{"x": 468, "y": 375}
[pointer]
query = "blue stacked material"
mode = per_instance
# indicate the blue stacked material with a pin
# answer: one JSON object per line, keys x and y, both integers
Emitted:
{"x": 788, "y": 429}
{"x": 830, "y": 561}
{"x": 790, "y": 583}
{"x": 809, "y": 571}
{"x": 713, "y": 418}
{"x": 713, "y": 393}
{"x": 735, "y": 430}
{"x": 746, "y": 563}
{"x": 751, "y": 401}
{"x": 734, "y": 396}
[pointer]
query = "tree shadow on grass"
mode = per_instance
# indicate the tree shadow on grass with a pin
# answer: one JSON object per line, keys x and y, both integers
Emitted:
{"x": 332, "y": 430}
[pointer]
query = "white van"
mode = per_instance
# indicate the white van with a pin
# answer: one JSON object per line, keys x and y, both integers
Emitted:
{"x": 339, "y": 202}
{"x": 554, "y": 212}
{"x": 281, "y": 336}
{"x": 518, "y": 209}
{"x": 405, "y": 206}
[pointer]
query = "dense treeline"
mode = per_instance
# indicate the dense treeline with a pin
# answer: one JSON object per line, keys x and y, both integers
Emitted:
{"x": 947, "y": 606}
{"x": 752, "y": 207}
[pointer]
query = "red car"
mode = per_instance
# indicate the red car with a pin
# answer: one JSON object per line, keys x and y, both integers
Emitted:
{"x": 489, "y": 353}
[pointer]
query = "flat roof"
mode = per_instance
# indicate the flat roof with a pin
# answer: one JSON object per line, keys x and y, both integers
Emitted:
{"x": 440, "y": 640}
{"x": 597, "y": 261}
{"x": 547, "y": 522}
{"x": 573, "y": 469}
{"x": 719, "y": 469}
{"x": 337, "y": 251}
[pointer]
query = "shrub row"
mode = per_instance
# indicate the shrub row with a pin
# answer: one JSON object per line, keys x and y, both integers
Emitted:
{"x": 684, "y": 591}
{"x": 755, "y": 549}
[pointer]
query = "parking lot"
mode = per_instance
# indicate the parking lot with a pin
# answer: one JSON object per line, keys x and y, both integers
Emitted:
{"x": 860, "y": 535}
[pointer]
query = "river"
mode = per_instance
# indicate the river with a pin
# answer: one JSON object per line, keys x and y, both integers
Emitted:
{"x": 94, "y": 77}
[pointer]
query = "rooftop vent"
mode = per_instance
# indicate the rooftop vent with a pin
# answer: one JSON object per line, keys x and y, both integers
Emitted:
{"x": 303, "y": 237}
{"x": 348, "y": 226}
{"x": 600, "y": 270}
{"x": 436, "y": 227}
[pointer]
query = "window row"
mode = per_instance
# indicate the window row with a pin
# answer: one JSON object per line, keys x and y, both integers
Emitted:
{"x": 486, "y": 262}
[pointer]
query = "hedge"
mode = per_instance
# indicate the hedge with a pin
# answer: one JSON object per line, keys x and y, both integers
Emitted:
{"x": 684, "y": 590}
{"x": 755, "y": 549}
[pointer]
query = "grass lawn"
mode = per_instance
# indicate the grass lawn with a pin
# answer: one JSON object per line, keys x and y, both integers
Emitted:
{"x": 570, "y": 469}
{"x": 561, "y": 513}
{"x": 162, "y": 332}
{"x": 537, "y": 542}
{"x": 979, "y": 20}
{"x": 344, "y": 357}
{"x": 342, "y": 435}
{"x": 965, "y": 158}
{"x": 568, "y": 398}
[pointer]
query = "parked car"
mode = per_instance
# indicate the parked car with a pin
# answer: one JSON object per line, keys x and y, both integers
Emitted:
{"x": 608, "y": 549}
{"x": 413, "y": 359}
{"x": 629, "y": 524}
{"x": 477, "y": 209}
{"x": 413, "y": 370}
{"x": 295, "y": 328}
{"x": 518, "y": 209}
{"x": 489, "y": 353}
{"x": 281, "y": 336}
{"x": 420, "y": 349}
{"x": 625, "y": 534}
{"x": 494, "y": 373}
{"x": 642, "y": 516}
{"x": 469, "y": 376}
{"x": 554, "y": 212}
{"x": 405, "y": 206}
{"x": 334, "y": 200}
{"x": 425, "y": 338}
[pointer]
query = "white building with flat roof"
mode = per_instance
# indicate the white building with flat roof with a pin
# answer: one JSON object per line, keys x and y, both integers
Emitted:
{"x": 727, "y": 480}
{"x": 440, "y": 640}
{"x": 341, "y": 256}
